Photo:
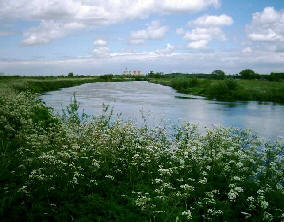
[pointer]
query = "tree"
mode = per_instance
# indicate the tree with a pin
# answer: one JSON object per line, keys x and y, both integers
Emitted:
{"x": 151, "y": 73}
{"x": 249, "y": 74}
{"x": 219, "y": 74}
{"x": 70, "y": 74}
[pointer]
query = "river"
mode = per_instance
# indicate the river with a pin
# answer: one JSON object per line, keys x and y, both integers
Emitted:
{"x": 162, "y": 105}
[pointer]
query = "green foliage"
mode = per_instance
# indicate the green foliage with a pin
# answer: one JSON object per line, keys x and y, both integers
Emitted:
{"x": 70, "y": 74}
{"x": 218, "y": 74}
{"x": 276, "y": 76}
{"x": 158, "y": 75}
{"x": 223, "y": 90}
{"x": 184, "y": 83}
{"x": 249, "y": 74}
{"x": 63, "y": 169}
{"x": 229, "y": 89}
{"x": 108, "y": 77}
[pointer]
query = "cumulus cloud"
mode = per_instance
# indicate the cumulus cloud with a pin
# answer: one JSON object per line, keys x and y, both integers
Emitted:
{"x": 91, "y": 13}
{"x": 205, "y": 29}
{"x": 205, "y": 34}
{"x": 154, "y": 31}
{"x": 100, "y": 42}
{"x": 99, "y": 11}
{"x": 200, "y": 37}
{"x": 198, "y": 44}
{"x": 48, "y": 31}
{"x": 267, "y": 26}
{"x": 212, "y": 20}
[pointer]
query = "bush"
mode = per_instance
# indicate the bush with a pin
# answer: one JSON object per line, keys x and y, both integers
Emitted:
{"x": 223, "y": 90}
{"x": 232, "y": 84}
{"x": 183, "y": 83}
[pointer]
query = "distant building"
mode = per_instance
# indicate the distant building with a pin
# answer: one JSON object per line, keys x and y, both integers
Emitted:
{"x": 132, "y": 73}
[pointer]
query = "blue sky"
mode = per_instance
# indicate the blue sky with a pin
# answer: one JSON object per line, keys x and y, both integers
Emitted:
{"x": 51, "y": 37}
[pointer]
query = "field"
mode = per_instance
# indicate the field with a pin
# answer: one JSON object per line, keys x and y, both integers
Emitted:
{"x": 228, "y": 89}
{"x": 78, "y": 168}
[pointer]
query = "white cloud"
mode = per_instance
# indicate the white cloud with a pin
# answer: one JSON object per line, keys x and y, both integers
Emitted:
{"x": 100, "y": 42}
{"x": 166, "y": 51}
{"x": 92, "y": 13}
{"x": 191, "y": 61}
{"x": 265, "y": 36}
{"x": 198, "y": 44}
{"x": 48, "y": 31}
{"x": 205, "y": 29}
{"x": 247, "y": 50}
{"x": 101, "y": 51}
{"x": 154, "y": 31}
{"x": 185, "y": 5}
{"x": 212, "y": 20}
{"x": 205, "y": 34}
{"x": 99, "y": 11}
{"x": 267, "y": 26}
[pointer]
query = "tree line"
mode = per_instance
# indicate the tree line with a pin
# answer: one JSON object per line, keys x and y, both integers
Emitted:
{"x": 220, "y": 74}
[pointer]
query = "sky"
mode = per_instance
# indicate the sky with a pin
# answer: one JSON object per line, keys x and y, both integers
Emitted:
{"x": 91, "y": 37}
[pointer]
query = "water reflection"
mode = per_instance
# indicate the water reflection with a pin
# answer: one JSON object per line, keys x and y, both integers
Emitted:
{"x": 158, "y": 102}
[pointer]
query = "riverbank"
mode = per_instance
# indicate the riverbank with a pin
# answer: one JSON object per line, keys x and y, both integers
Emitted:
{"x": 45, "y": 84}
{"x": 63, "y": 168}
{"x": 228, "y": 89}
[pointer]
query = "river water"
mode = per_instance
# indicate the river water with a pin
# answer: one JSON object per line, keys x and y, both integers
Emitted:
{"x": 162, "y": 105}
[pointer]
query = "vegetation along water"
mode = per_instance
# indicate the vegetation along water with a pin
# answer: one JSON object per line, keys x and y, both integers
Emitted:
{"x": 70, "y": 167}
{"x": 230, "y": 88}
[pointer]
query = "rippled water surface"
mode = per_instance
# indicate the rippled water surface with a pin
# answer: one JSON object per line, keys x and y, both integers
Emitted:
{"x": 162, "y": 105}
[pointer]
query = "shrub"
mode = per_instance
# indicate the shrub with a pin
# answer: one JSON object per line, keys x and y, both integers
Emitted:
{"x": 183, "y": 83}
{"x": 232, "y": 84}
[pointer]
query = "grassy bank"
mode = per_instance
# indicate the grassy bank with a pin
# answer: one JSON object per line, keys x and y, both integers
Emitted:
{"x": 67, "y": 168}
{"x": 44, "y": 84}
{"x": 228, "y": 89}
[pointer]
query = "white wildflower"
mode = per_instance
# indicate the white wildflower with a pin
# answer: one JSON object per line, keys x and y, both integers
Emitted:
{"x": 264, "y": 204}
{"x": 187, "y": 214}
{"x": 109, "y": 177}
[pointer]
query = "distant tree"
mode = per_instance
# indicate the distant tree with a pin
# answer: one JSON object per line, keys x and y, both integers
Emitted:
{"x": 70, "y": 74}
{"x": 219, "y": 74}
{"x": 151, "y": 73}
{"x": 276, "y": 76}
{"x": 107, "y": 77}
{"x": 249, "y": 74}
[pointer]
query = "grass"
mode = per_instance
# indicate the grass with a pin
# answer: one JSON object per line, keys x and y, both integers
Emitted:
{"x": 72, "y": 168}
{"x": 44, "y": 84}
{"x": 228, "y": 89}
